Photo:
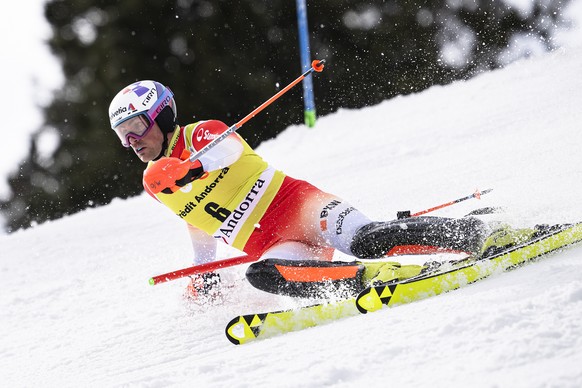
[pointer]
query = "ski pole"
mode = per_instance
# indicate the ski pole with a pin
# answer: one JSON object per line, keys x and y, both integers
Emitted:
{"x": 201, "y": 268}
{"x": 316, "y": 65}
{"x": 159, "y": 172}
{"x": 406, "y": 213}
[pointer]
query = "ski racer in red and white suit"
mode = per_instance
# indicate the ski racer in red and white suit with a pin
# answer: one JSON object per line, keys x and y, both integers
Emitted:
{"x": 243, "y": 201}
{"x": 231, "y": 194}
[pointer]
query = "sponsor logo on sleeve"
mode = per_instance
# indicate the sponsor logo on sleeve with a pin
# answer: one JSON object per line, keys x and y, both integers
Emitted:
{"x": 204, "y": 134}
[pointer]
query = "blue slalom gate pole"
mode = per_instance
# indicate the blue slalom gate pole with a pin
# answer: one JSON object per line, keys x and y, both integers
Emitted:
{"x": 304, "y": 52}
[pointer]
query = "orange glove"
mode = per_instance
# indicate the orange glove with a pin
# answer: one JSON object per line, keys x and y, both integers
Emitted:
{"x": 167, "y": 175}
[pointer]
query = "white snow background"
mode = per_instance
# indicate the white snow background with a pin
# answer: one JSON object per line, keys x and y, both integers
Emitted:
{"x": 76, "y": 308}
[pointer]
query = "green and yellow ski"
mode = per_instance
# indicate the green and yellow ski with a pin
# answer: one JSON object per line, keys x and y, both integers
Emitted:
{"x": 426, "y": 285}
{"x": 246, "y": 328}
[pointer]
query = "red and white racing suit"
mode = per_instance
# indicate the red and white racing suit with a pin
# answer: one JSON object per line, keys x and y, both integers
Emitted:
{"x": 248, "y": 204}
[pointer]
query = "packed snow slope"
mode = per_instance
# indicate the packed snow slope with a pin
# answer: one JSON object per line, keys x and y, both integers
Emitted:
{"x": 76, "y": 308}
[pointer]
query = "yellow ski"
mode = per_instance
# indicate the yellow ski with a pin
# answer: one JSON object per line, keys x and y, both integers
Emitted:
{"x": 423, "y": 286}
{"x": 246, "y": 328}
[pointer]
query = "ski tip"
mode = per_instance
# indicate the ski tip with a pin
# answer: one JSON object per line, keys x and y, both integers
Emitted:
{"x": 152, "y": 282}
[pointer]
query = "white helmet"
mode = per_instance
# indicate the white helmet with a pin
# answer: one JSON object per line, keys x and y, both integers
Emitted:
{"x": 133, "y": 110}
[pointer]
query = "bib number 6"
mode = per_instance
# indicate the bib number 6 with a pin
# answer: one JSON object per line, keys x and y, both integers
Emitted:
{"x": 215, "y": 211}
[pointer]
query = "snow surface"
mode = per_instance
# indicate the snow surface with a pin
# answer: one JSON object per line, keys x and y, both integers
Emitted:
{"x": 76, "y": 308}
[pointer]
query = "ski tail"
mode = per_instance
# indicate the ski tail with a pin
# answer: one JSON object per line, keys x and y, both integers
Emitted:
{"x": 246, "y": 328}
{"x": 306, "y": 278}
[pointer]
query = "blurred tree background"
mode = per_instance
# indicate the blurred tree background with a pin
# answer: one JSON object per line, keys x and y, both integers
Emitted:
{"x": 222, "y": 58}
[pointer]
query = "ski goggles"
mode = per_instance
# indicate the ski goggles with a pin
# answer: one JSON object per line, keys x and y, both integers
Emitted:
{"x": 139, "y": 125}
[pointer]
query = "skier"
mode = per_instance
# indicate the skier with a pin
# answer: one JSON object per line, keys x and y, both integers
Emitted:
{"x": 231, "y": 194}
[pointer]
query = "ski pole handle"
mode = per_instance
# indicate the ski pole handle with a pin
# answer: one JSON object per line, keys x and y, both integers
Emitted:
{"x": 316, "y": 66}
{"x": 406, "y": 213}
{"x": 202, "y": 268}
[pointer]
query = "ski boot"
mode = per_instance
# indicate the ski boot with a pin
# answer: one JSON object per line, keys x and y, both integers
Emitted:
{"x": 419, "y": 235}
{"x": 376, "y": 273}
{"x": 506, "y": 237}
{"x": 324, "y": 279}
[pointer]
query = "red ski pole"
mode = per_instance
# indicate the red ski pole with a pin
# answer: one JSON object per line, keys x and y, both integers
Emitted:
{"x": 207, "y": 267}
{"x": 406, "y": 213}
